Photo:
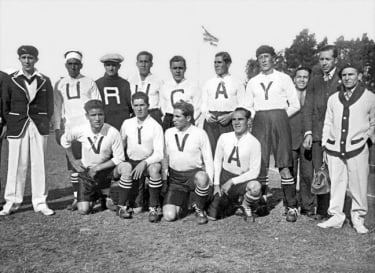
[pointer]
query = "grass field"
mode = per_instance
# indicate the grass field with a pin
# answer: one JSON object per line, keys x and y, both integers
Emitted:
{"x": 101, "y": 242}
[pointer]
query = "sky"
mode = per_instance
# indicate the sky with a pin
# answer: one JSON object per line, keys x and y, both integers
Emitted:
{"x": 169, "y": 27}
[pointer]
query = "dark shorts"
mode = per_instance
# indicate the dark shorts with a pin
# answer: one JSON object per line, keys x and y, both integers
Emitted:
{"x": 77, "y": 153}
{"x": 272, "y": 129}
{"x": 215, "y": 129}
{"x": 180, "y": 184}
{"x": 236, "y": 191}
{"x": 90, "y": 188}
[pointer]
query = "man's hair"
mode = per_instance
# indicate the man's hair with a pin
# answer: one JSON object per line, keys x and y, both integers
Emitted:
{"x": 93, "y": 104}
{"x": 247, "y": 112}
{"x": 145, "y": 53}
{"x": 186, "y": 108}
{"x": 226, "y": 57}
{"x": 140, "y": 96}
{"x": 305, "y": 68}
{"x": 328, "y": 48}
{"x": 177, "y": 58}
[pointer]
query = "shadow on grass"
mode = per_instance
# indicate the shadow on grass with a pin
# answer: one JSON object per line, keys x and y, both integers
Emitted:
{"x": 58, "y": 199}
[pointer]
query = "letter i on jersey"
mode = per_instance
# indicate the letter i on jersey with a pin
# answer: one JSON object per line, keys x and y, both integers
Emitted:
{"x": 266, "y": 89}
{"x": 147, "y": 89}
{"x": 140, "y": 135}
{"x": 96, "y": 149}
{"x": 221, "y": 90}
{"x": 234, "y": 156}
{"x": 181, "y": 147}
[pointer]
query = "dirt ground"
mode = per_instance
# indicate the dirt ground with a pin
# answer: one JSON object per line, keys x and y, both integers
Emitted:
{"x": 102, "y": 242}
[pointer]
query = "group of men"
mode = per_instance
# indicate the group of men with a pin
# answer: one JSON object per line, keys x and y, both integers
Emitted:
{"x": 173, "y": 147}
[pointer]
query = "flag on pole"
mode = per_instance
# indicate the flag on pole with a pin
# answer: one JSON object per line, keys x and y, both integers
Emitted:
{"x": 208, "y": 37}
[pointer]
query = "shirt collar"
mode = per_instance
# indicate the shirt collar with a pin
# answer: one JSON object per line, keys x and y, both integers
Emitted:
{"x": 225, "y": 76}
{"x": 21, "y": 73}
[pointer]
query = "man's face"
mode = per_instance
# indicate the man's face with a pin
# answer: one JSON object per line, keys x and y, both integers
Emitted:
{"x": 144, "y": 64}
{"x": 179, "y": 120}
{"x": 96, "y": 118}
{"x": 221, "y": 68}
{"x": 350, "y": 77}
{"x": 140, "y": 108}
{"x": 111, "y": 68}
{"x": 326, "y": 61}
{"x": 240, "y": 123}
{"x": 266, "y": 62}
{"x": 301, "y": 79}
{"x": 178, "y": 71}
{"x": 28, "y": 62}
{"x": 74, "y": 67}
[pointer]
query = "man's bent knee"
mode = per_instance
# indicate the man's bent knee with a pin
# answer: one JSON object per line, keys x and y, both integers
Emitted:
{"x": 84, "y": 207}
{"x": 123, "y": 169}
{"x": 201, "y": 179}
{"x": 154, "y": 170}
{"x": 170, "y": 213}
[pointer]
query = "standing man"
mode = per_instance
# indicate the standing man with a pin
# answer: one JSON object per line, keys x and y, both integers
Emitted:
{"x": 320, "y": 87}
{"x": 144, "y": 143}
{"x": 27, "y": 107}
{"x": 187, "y": 151}
{"x": 71, "y": 94}
{"x": 221, "y": 95}
{"x": 237, "y": 165}
{"x": 102, "y": 156}
{"x": 148, "y": 83}
{"x": 348, "y": 126}
{"x": 302, "y": 162}
{"x": 114, "y": 91}
{"x": 178, "y": 89}
{"x": 273, "y": 98}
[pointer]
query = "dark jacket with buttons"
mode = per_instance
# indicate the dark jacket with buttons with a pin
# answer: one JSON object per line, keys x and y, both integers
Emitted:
{"x": 317, "y": 94}
{"x": 18, "y": 110}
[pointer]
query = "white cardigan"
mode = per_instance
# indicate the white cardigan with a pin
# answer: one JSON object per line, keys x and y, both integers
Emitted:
{"x": 349, "y": 124}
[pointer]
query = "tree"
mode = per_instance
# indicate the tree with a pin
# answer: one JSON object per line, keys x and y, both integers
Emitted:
{"x": 302, "y": 51}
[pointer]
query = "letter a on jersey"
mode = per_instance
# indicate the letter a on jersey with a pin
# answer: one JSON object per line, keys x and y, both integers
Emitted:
{"x": 221, "y": 90}
{"x": 234, "y": 156}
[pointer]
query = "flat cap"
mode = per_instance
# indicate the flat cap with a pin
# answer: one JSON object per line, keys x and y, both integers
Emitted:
{"x": 265, "y": 49}
{"x": 350, "y": 65}
{"x": 27, "y": 49}
{"x": 112, "y": 57}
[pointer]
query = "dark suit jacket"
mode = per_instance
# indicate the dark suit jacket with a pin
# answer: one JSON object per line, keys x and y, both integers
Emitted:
{"x": 18, "y": 109}
{"x": 315, "y": 106}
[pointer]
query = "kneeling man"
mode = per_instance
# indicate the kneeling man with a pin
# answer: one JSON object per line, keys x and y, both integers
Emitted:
{"x": 236, "y": 166}
{"x": 144, "y": 142}
{"x": 102, "y": 156}
{"x": 187, "y": 152}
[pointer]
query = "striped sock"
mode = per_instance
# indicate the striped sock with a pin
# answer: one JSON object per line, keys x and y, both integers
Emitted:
{"x": 289, "y": 189}
{"x": 154, "y": 189}
{"x": 201, "y": 196}
{"x": 75, "y": 183}
{"x": 125, "y": 186}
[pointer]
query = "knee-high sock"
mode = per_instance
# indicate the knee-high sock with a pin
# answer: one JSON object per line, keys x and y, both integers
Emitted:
{"x": 251, "y": 201}
{"x": 125, "y": 187}
{"x": 75, "y": 184}
{"x": 154, "y": 189}
{"x": 288, "y": 186}
{"x": 264, "y": 180}
{"x": 201, "y": 196}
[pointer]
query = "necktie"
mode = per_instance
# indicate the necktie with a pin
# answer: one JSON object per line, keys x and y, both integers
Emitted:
{"x": 327, "y": 77}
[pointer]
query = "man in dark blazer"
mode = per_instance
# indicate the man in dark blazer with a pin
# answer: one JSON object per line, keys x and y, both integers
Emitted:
{"x": 320, "y": 87}
{"x": 27, "y": 101}
{"x": 302, "y": 162}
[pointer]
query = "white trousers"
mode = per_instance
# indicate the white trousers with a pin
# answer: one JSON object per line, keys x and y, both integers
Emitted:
{"x": 32, "y": 145}
{"x": 353, "y": 174}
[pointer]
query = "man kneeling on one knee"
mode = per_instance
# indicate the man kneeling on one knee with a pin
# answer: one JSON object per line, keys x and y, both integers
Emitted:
{"x": 236, "y": 165}
{"x": 187, "y": 151}
{"x": 102, "y": 156}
